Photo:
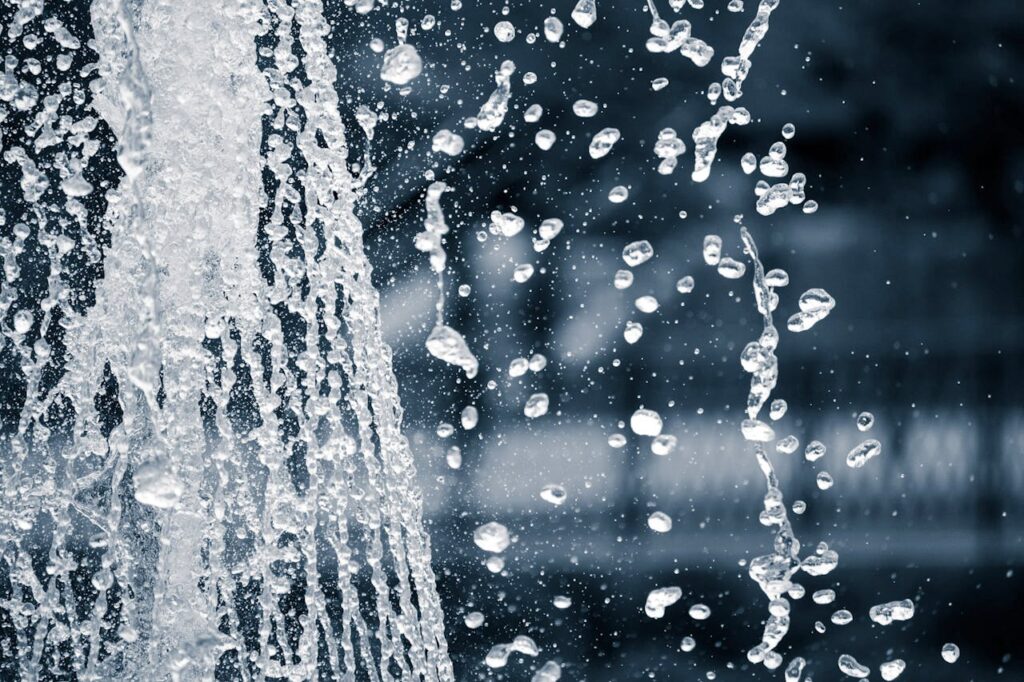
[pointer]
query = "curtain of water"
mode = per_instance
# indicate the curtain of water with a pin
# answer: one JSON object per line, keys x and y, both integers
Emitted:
{"x": 232, "y": 495}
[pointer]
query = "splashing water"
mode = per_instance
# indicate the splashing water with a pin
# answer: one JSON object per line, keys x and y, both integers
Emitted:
{"x": 238, "y": 503}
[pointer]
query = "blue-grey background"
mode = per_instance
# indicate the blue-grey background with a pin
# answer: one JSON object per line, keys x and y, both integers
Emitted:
{"x": 908, "y": 128}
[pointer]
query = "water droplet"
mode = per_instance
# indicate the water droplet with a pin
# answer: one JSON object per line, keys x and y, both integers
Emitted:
{"x": 950, "y": 652}
{"x": 603, "y": 142}
{"x": 492, "y": 537}
{"x": 687, "y": 644}
{"x": 776, "y": 278}
{"x": 645, "y": 422}
{"x": 712, "y": 249}
{"x": 659, "y": 522}
{"x": 815, "y": 305}
{"x": 618, "y": 194}
{"x": 473, "y": 620}
{"x": 862, "y": 453}
{"x": 23, "y": 321}
{"x": 469, "y": 417}
{"x": 446, "y": 344}
{"x": 549, "y": 672}
{"x": 849, "y": 666}
{"x": 585, "y": 13}
{"x": 623, "y": 279}
{"x": 730, "y": 268}
{"x": 633, "y": 332}
{"x": 885, "y": 614}
{"x": 545, "y": 139}
{"x": 814, "y": 451}
{"x": 842, "y": 617}
{"x": 518, "y": 367}
{"x": 685, "y": 285}
{"x": 550, "y": 228}
{"x": 824, "y": 480}
{"x": 890, "y": 670}
{"x": 536, "y": 405}
{"x": 865, "y": 420}
{"x": 504, "y": 31}
{"x": 700, "y": 612}
{"x": 523, "y": 272}
{"x": 553, "y": 29}
{"x": 447, "y": 142}
{"x": 757, "y": 431}
{"x": 584, "y": 108}
{"x": 824, "y": 597}
{"x": 636, "y": 253}
{"x": 562, "y": 602}
{"x": 664, "y": 444}
{"x": 103, "y": 579}
{"x": 401, "y": 64}
{"x": 646, "y": 304}
{"x": 553, "y": 494}
{"x": 661, "y": 598}
{"x": 748, "y": 162}
{"x": 787, "y": 445}
{"x": 497, "y": 657}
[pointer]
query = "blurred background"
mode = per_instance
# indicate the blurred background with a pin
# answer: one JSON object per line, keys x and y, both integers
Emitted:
{"x": 907, "y": 121}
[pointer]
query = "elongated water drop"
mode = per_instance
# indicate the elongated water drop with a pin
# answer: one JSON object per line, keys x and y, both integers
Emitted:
{"x": 700, "y": 612}
{"x": 863, "y": 453}
{"x": 646, "y": 304}
{"x": 469, "y": 417}
{"x": 849, "y": 666}
{"x": 603, "y": 141}
{"x": 884, "y": 614}
{"x": 661, "y": 598}
{"x": 553, "y": 494}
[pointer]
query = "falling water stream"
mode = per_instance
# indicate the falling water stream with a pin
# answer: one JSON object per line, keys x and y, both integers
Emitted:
{"x": 206, "y": 476}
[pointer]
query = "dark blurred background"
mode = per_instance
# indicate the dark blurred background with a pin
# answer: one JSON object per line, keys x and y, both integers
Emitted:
{"x": 908, "y": 128}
